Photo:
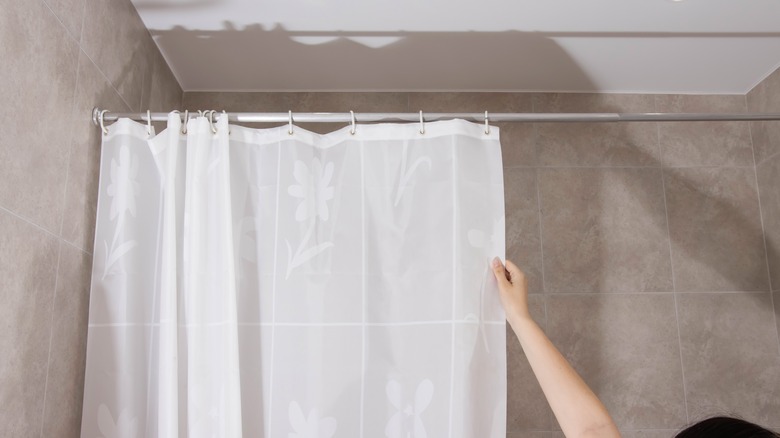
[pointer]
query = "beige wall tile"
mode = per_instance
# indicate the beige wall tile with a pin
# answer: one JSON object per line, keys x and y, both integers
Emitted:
{"x": 625, "y": 347}
{"x": 596, "y": 144}
{"x": 161, "y": 89}
{"x": 65, "y": 382}
{"x": 604, "y": 230}
{"x": 715, "y": 230}
{"x": 517, "y": 139}
{"x": 115, "y": 38}
{"x": 78, "y": 224}
{"x": 704, "y": 143}
{"x": 527, "y": 408}
{"x": 70, "y": 13}
{"x": 28, "y": 267}
{"x": 768, "y": 174}
{"x": 38, "y": 86}
{"x": 765, "y": 97}
{"x": 730, "y": 356}
{"x": 523, "y": 246}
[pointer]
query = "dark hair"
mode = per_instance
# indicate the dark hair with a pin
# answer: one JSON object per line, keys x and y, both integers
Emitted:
{"x": 726, "y": 427}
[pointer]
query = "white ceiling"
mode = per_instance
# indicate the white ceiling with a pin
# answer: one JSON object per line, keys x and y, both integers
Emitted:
{"x": 647, "y": 46}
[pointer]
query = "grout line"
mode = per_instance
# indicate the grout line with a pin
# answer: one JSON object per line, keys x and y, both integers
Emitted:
{"x": 767, "y": 158}
{"x": 110, "y": 83}
{"x": 71, "y": 142}
{"x": 764, "y": 237}
{"x": 674, "y": 294}
{"x": 83, "y": 20}
{"x": 44, "y": 230}
{"x": 51, "y": 335}
{"x": 65, "y": 28}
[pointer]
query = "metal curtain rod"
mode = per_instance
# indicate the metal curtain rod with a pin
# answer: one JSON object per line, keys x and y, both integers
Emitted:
{"x": 428, "y": 117}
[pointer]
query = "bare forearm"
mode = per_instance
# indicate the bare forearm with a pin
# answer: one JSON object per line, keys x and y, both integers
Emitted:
{"x": 578, "y": 410}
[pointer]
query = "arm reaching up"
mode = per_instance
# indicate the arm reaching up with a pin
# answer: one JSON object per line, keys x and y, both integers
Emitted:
{"x": 577, "y": 409}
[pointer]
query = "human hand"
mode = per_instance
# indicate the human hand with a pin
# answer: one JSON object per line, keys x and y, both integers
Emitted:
{"x": 513, "y": 290}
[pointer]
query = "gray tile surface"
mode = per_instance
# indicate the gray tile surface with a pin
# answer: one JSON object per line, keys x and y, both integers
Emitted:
{"x": 595, "y": 144}
{"x": 730, "y": 355}
{"x": 523, "y": 246}
{"x": 715, "y": 230}
{"x": 625, "y": 347}
{"x": 115, "y": 38}
{"x": 768, "y": 174}
{"x": 34, "y": 147}
{"x": 28, "y": 267}
{"x": 704, "y": 143}
{"x": 52, "y": 86}
{"x": 70, "y": 13}
{"x": 765, "y": 97}
{"x": 67, "y": 359}
{"x": 78, "y": 224}
{"x": 604, "y": 230}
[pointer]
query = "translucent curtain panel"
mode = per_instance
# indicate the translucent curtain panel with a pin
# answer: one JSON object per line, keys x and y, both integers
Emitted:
{"x": 254, "y": 283}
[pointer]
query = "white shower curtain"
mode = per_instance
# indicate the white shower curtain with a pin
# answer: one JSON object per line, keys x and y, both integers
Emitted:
{"x": 255, "y": 283}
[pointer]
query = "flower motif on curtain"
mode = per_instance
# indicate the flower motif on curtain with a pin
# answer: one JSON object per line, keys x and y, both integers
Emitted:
{"x": 406, "y": 423}
{"x": 490, "y": 244}
{"x": 125, "y": 426}
{"x": 122, "y": 190}
{"x": 314, "y": 190}
{"x": 311, "y": 426}
{"x": 406, "y": 173}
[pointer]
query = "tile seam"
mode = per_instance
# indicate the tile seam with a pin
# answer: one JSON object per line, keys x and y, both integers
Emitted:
{"x": 764, "y": 236}
{"x": 674, "y": 285}
{"x": 51, "y": 335}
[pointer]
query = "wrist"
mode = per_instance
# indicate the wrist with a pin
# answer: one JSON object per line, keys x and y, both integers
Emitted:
{"x": 518, "y": 319}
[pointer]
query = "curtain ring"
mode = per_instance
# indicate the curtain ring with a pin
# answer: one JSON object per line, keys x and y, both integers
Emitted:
{"x": 290, "y": 121}
{"x": 149, "y": 122}
{"x": 102, "y": 122}
{"x": 422, "y": 123}
{"x": 211, "y": 121}
{"x": 186, "y": 119}
{"x": 352, "y": 114}
{"x": 487, "y": 127}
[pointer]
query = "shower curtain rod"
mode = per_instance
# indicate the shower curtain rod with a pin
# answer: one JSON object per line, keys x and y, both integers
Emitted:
{"x": 348, "y": 117}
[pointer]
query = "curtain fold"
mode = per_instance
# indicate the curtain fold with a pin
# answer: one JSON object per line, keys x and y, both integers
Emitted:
{"x": 251, "y": 282}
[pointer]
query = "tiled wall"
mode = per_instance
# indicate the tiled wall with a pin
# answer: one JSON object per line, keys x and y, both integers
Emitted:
{"x": 59, "y": 59}
{"x": 642, "y": 242}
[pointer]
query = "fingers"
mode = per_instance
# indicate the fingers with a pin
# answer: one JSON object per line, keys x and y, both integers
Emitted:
{"x": 499, "y": 272}
{"x": 514, "y": 272}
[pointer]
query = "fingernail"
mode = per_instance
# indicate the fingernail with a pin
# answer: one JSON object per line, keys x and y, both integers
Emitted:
{"x": 496, "y": 262}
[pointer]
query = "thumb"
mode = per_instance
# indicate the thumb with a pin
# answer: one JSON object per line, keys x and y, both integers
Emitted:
{"x": 499, "y": 272}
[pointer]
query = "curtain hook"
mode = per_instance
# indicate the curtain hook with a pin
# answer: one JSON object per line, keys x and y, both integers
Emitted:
{"x": 149, "y": 122}
{"x": 422, "y": 123}
{"x": 102, "y": 122}
{"x": 487, "y": 127}
{"x": 352, "y": 114}
{"x": 186, "y": 119}
{"x": 290, "y": 121}
{"x": 211, "y": 121}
